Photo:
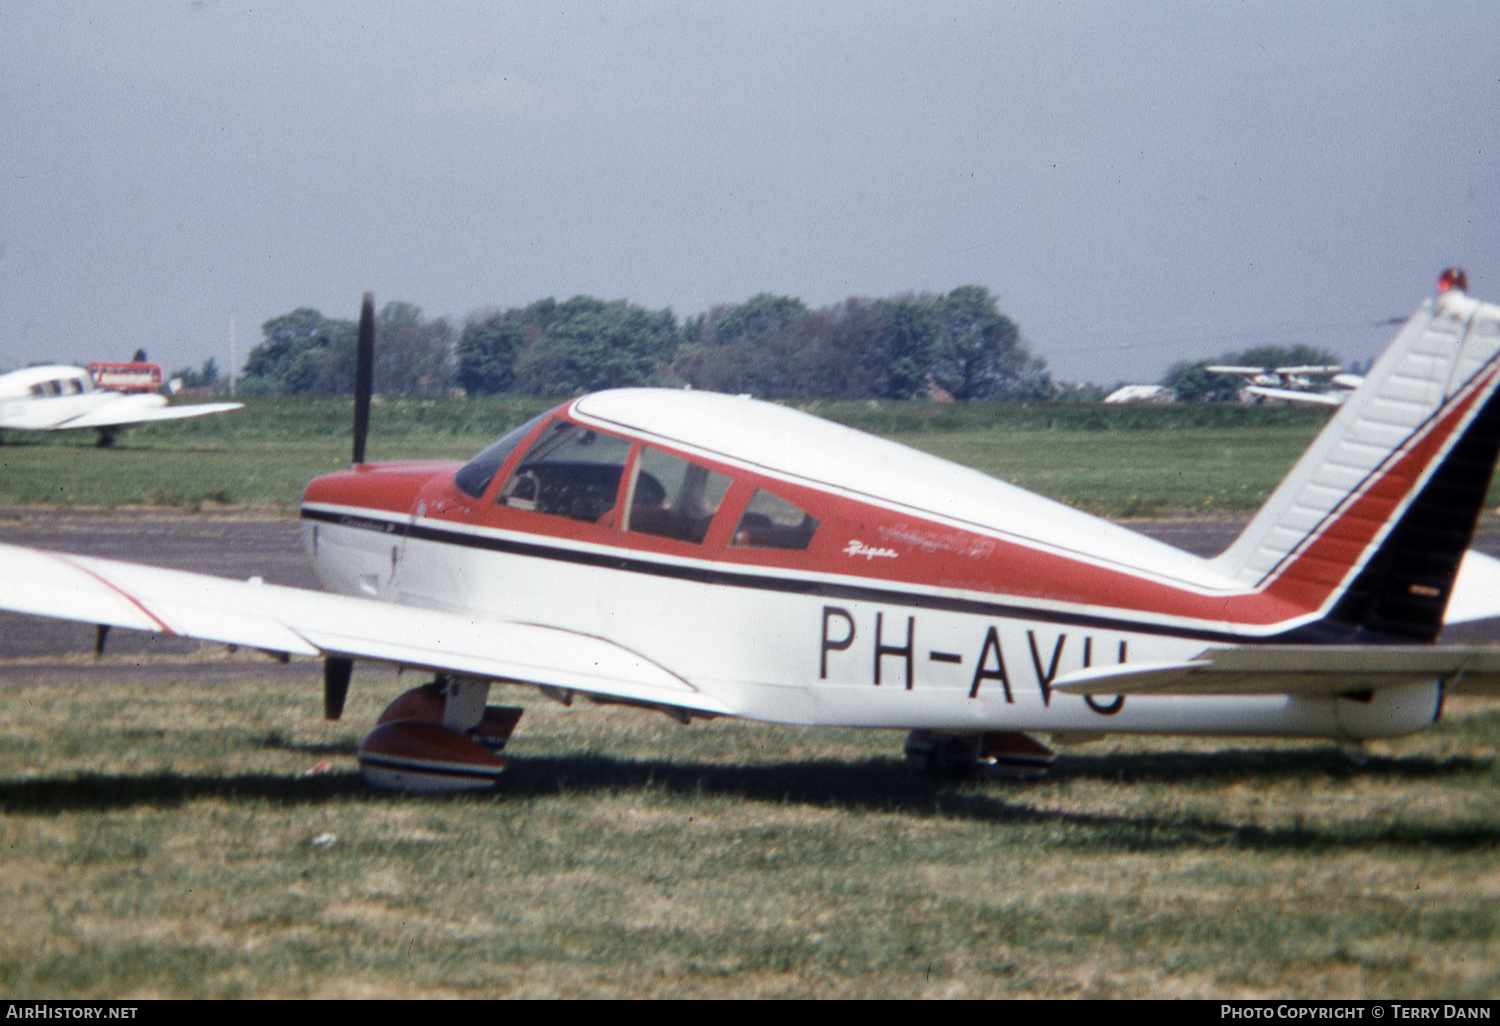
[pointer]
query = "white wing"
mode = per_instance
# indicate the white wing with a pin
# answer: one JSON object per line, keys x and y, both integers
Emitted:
{"x": 310, "y": 623}
{"x": 1293, "y": 396}
{"x": 139, "y": 409}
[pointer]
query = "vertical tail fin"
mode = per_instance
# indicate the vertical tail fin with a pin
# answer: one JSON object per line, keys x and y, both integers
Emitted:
{"x": 1370, "y": 525}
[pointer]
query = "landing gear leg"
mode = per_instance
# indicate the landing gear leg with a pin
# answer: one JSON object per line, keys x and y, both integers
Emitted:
{"x": 967, "y": 755}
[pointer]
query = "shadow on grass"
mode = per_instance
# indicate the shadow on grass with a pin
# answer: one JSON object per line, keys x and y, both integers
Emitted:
{"x": 874, "y": 786}
{"x": 1266, "y": 765}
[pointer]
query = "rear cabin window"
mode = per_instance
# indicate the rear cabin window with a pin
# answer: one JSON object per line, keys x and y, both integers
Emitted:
{"x": 475, "y": 476}
{"x": 771, "y": 522}
{"x": 673, "y": 498}
{"x": 570, "y": 471}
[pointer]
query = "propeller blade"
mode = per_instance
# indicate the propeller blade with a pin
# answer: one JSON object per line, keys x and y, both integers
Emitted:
{"x": 336, "y": 673}
{"x": 364, "y": 375}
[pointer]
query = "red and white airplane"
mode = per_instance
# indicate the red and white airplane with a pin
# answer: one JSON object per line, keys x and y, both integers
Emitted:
{"x": 61, "y": 398}
{"x": 709, "y": 555}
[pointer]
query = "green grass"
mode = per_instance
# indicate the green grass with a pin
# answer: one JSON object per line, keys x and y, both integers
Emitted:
{"x": 1120, "y": 461}
{"x": 160, "y": 844}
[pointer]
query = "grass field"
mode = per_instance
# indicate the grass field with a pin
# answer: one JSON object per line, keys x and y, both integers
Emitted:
{"x": 1119, "y": 461}
{"x": 161, "y": 843}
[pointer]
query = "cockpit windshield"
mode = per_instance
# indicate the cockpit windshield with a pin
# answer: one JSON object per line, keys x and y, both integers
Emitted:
{"x": 475, "y": 476}
{"x": 570, "y": 471}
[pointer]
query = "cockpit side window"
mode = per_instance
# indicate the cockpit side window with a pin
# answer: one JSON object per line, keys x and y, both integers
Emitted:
{"x": 771, "y": 522}
{"x": 475, "y": 476}
{"x": 674, "y": 498}
{"x": 570, "y": 471}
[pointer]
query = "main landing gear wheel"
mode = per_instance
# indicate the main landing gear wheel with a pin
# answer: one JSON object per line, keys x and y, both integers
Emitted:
{"x": 968, "y": 755}
{"x": 437, "y": 738}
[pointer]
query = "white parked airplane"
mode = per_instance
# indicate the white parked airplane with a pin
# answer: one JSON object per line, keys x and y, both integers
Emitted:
{"x": 707, "y": 555}
{"x": 1294, "y": 384}
{"x": 61, "y": 398}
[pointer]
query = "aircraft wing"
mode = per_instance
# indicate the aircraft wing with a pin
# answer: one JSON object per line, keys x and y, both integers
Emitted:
{"x": 125, "y": 411}
{"x": 1306, "y": 670}
{"x": 310, "y": 623}
{"x": 1293, "y": 396}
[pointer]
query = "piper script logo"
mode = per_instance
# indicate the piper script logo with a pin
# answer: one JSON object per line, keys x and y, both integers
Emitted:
{"x": 859, "y": 548}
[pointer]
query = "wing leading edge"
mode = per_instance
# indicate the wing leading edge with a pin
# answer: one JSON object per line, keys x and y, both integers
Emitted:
{"x": 308, "y": 623}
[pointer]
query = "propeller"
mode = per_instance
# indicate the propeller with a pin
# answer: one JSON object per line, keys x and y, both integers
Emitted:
{"x": 338, "y": 669}
{"x": 364, "y": 375}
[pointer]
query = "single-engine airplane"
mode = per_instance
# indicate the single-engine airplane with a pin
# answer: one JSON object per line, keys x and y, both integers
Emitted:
{"x": 708, "y": 555}
{"x": 61, "y": 398}
{"x": 1293, "y": 384}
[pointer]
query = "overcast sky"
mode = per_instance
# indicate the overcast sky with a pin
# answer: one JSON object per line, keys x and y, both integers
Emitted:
{"x": 1138, "y": 182}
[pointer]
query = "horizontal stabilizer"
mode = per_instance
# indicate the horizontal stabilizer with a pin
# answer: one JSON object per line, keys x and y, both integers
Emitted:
{"x": 311, "y": 623}
{"x": 1306, "y": 670}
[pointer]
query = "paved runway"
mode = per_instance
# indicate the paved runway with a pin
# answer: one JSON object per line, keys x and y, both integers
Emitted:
{"x": 242, "y": 546}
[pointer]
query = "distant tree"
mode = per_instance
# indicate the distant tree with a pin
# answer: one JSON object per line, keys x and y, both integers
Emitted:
{"x": 205, "y": 377}
{"x": 757, "y": 317}
{"x": 487, "y": 349}
{"x": 838, "y": 351}
{"x": 305, "y": 353}
{"x": 978, "y": 352}
{"x": 586, "y": 344}
{"x": 139, "y": 357}
{"x": 413, "y": 355}
{"x": 747, "y": 347}
{"x": 319, "y": 348}
{"x": 1194, "y": 384}
{"x": 911, "y": 333}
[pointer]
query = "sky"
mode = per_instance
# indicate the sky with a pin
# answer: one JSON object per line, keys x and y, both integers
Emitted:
{"x": 1137, "y": 182}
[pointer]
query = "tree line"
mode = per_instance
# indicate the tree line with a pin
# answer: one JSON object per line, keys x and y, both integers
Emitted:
{"x": 957, "y": 346}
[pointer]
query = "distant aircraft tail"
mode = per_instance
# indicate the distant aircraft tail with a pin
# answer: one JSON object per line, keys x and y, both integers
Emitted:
{"x": 1370, "y": 526}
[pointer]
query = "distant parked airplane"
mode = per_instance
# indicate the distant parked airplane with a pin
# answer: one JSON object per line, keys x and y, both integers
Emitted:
{"x": 1295, "y": 384}
{"x": 61, "y": 398}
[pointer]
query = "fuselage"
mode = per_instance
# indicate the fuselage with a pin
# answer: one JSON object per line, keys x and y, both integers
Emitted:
{"x": 42, "y": 398}
{"x": 803, "y": 572}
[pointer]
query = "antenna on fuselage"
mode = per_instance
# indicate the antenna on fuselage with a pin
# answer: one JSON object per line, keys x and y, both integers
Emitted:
{"x": 364, "y": 375}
